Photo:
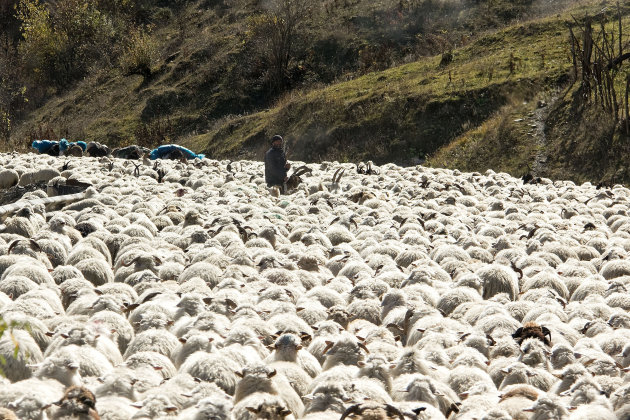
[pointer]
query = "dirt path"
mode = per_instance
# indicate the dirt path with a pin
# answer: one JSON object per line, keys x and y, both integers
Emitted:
{"x": 536, "y": 121}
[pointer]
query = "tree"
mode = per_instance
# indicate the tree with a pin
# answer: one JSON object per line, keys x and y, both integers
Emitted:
{"x": 61, "y": 40}
{"x": 275, "y": 32}
{"x": 12, "y": 90}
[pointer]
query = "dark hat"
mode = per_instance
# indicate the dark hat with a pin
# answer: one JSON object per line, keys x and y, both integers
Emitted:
{"x": 276, "y": 137}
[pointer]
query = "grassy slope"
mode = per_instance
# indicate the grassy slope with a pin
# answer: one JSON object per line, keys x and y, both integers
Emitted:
{"x": 408, "y": 110}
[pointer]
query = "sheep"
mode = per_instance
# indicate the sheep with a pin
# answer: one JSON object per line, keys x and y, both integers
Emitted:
{"x": 77, "y": 402}
{"x": 422, "y": 388}
{"x": 346, "y": 350}
{"x": 548, "y": 408}
{"x": 288, "y": 347}
{"x": 498, "y": 279}
{"x": 260, "y": 378}
{"x": 520, "y": 373}
{"x": 220, "y": 408}
{"x": 159, "y": 341}
{"x": 91, "y": 361}
{"x": 262, "y": 405}
{"x": 154, "y": 406}
{"x": 373, "y": 411}
{"x": 215, "y": 368}
{"x": 531, "y": 329}
{"x": 62, "y": 369}
{"x": 8, "y": 178}
{"x": 16, "y": 362}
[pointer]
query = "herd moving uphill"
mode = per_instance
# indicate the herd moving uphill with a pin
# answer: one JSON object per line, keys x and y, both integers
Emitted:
{"x": 183, "y": 290}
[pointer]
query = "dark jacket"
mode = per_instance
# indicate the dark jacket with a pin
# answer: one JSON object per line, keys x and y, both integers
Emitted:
{"x": 274, "y": 166}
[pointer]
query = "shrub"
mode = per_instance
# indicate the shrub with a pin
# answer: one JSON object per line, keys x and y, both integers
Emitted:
{"x": 61, "y": 43}
{"x": 141, "y": 54}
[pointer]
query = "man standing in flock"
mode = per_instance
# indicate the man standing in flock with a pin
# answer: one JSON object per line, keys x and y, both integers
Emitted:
{"x": 276, "y": 165}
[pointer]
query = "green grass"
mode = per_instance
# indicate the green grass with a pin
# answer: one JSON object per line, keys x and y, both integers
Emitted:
{"x": 418, "y": 106}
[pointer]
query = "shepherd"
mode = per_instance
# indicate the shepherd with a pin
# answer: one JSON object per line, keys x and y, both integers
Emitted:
{"x": 276, "y": 166}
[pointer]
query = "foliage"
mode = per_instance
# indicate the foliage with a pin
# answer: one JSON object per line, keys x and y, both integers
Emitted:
{"x": 5, "y": 328}
{"x": 141, "y": 53}
{"x": 12, "y": 91}
{"x": 274, "y": 34}
{"x": 62, "y": 40}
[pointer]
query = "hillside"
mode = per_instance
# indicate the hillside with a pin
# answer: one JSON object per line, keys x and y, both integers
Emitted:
{"x": 457, "y": 82}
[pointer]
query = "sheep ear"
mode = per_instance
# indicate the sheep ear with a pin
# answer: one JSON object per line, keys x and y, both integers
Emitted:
{"x": 186, "y": 395}
{"x": 252, "y": 410}
{"x": 438, "y": 393}
{"x": 65, "y": 335}
{"x": 136, "y": 405}
{"x": 239, "y": 374}
{"x": 505, "y": 370}
{"x": 577, "y": 355}
{"x": 170, "y": 409}
{"x": 182, "y": 340}
{"x": 361, "y": 364}
{"x": 101, "y": 379}
{"x": 271, "y": 374}
{"x": 298, "y": 347}
{"x": 284, "y": 412}
{"x": 392, "y": 365}
{"x": 308, "y": 397}
{"x": 98, "y": 292}
{"x": 207, "y": 300}
{"x": 528, "y": 409}
{"x": 131, "y": 307}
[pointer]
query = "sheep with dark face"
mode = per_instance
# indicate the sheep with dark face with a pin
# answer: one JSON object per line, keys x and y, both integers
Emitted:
{"x": 372, "y": 411}
{"x": 77, "y": 403}
{"x": 532, "y": 330}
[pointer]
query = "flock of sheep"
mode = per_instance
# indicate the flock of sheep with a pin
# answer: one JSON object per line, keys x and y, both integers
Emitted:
{"x": 184, "y": 290}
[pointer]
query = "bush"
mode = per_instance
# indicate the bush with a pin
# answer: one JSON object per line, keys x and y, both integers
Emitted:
{"x": 59, "y": 46}
{"x": 6, "y": 328}
{"x": 141, "y": 54}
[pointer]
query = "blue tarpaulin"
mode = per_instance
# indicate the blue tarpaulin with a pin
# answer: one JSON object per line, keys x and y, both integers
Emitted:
{"x": 163, "y": 152}
{"x": 65, "y": 145}
{"x": 43, "y": 145}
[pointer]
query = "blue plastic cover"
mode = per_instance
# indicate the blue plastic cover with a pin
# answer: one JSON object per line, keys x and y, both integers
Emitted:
{"x": 167, "y": 148}
{"x": 43, "y": 145}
